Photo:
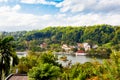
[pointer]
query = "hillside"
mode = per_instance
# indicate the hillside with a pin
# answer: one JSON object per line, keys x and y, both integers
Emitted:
{"x": 99, "y": 34}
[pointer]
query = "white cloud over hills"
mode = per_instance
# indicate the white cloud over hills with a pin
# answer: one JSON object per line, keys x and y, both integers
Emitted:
{"x": 85, "y": 12}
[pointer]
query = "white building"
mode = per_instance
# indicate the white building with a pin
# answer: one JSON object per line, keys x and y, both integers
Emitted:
{"x": 21, "y": 54}
{"x": 65, "y": 47}
{"x": 86, "y": 46}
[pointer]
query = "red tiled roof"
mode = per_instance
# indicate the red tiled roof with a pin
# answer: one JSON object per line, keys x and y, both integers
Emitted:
{"x": 80, "y": 51}
{"x": 18, "y": 77}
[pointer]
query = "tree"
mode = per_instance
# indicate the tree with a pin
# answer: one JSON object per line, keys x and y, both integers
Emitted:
{"x": 47, "y": 69}
{"x": 44, "y": 72}
{"x": 26, "y": 63}
{"x": 7, "y": 55}
{"x": 49, "y": 58}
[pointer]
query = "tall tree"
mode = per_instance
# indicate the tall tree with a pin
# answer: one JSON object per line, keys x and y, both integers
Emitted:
{"x": 44, "y": 71}
{"x": 7, "y": 55}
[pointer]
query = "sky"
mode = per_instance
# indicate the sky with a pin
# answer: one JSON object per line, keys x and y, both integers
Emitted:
{"x": 18, "y": 15}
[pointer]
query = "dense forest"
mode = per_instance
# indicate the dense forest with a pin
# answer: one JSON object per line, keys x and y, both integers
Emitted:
{"x": 105, "y": 35}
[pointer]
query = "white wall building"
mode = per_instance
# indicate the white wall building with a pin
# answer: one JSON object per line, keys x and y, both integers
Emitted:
{"x": 86, "y": 46}
{"x": 21, "y": 54}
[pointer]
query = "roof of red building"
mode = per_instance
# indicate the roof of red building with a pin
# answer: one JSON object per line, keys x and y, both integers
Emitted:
{"x": 17, "y": 77}
{"x": 80, "y": 51}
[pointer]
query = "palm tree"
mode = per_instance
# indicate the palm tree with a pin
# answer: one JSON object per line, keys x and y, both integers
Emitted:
{"x": 7, "y": 53}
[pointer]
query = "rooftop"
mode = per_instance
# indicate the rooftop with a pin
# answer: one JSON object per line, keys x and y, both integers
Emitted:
{"x": 17, "y": 77}
{"x": 80, "y": 51}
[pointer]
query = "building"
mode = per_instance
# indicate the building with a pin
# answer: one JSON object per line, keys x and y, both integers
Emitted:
{"x": 43, "y": 45}
{"x": 80, "y": 45}
{"x": 65, "y": 47}
{"x": 21, "y": 54}
{"x": 80, "y": 53}
{"x": 86, "y": 46}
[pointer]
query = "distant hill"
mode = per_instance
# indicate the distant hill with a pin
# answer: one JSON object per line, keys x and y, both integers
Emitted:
{"x": 99, "y": 34}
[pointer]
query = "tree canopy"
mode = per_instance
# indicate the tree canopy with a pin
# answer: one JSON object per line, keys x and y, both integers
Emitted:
{"x": 7, "y": 55}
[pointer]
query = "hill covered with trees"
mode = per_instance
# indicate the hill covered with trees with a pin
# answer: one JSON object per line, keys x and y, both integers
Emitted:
{"x": 55, "y": 36}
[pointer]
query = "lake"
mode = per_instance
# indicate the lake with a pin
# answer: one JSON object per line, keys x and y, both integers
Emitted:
{"x": 78, "y": 59}
{"x": 73, "y": 59}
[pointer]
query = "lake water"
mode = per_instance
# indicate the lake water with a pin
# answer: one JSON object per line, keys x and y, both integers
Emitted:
{"x": 73, "y": 59}
{"x": 77, "y": 59}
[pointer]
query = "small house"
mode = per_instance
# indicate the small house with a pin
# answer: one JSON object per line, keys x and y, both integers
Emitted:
{"x": 65, "y": 47}
{"x": 86, "y": 46}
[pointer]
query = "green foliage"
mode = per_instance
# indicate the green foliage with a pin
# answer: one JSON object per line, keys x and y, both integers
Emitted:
{"x": 7, "y": 55}
{"x": 101, "y": 33}
{"x": 47, "y": 68}
{"x": 49, "y": 58}
{"x": 100, "y": 52}
{"x": 74, "y": 49}
{"x": 25, "y": 64}
{"x": 112, "y": 67}
{"x": 44, "y": 72}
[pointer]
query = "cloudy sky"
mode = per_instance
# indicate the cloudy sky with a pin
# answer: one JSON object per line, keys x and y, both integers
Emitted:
{"x": 17, "y": 15}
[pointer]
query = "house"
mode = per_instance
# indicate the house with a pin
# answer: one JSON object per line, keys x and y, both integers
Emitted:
{"x": 43, "y": 45}
{"x": 17, "y": 77}
{"x": 80, "y": 53}
{"x": 65, "y": 47}
{"x": 80, "y": 45}
{"x": 86, "y": 46}
{"x": 21, "y": 54}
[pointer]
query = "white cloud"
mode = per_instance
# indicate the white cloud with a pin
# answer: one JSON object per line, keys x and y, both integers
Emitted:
{"x": 38, "y": 2}
{"x": 28, "y": 1}
{"x": 10, "y": 9}
{"x": 91, "y": 5}
{"x": 16, "y": 8}
{"x": 75, "y": 5}
{"x": 12, "y": 20}
{"x": 3, "y": 0}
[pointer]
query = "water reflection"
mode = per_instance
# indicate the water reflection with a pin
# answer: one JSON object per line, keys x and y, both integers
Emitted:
{"x": 77, "y": 59}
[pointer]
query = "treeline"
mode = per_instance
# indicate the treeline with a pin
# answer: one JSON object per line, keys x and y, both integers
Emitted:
{"x": 99, "y": 34}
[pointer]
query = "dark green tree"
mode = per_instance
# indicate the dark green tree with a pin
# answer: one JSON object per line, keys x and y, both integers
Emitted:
{"x": 49, "y": 58}
{"x": 44, "y": 72}
{"x": 7, "y": 55}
